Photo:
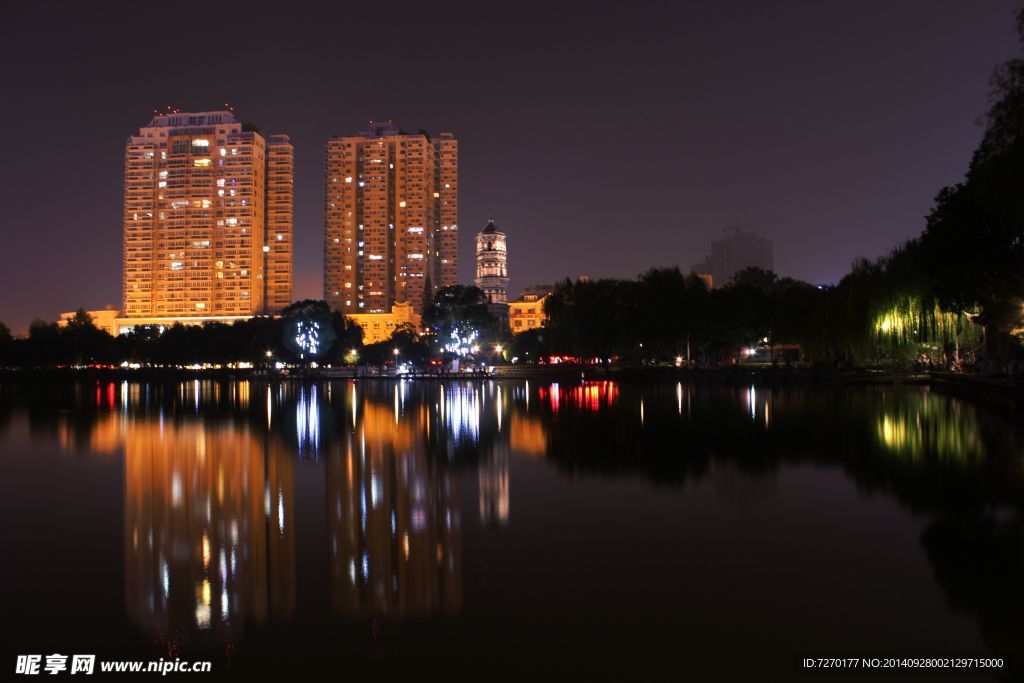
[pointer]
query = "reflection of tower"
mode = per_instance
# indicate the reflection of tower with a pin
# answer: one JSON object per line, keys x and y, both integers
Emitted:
{"x": 492, "y": 270}
{"x": 492, "y": 469}
{"x": 393, "y": 519}
{"x": 493, "y": 474}
{"x": 208, "y": 529}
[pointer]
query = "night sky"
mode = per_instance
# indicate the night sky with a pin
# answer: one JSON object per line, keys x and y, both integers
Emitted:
{"x": 604, "y": 140}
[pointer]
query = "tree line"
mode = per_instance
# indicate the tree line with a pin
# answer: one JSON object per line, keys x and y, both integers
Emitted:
{"x": 958, "y": 286}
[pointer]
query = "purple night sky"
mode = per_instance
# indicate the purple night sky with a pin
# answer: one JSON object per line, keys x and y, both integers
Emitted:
{"x": 604, "y": 141}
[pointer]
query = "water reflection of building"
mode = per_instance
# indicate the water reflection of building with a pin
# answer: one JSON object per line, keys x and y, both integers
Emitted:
{"x": 492, "y": 470}
{"x": 394, "y": 527}
{"x": 527, "y": 435}
{"x": 209, "y": 540}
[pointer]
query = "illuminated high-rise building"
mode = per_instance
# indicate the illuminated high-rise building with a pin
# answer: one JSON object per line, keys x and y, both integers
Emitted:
{"x": 280, "y": 213}
{"x": 207, "y": 219}
{"x": 391, "y": 218}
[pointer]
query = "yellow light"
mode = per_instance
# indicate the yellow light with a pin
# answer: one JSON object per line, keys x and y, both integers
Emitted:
{"x": 396, "y": 352}
{"x": 886, "y": 325}
{"x": 401, "y": 204}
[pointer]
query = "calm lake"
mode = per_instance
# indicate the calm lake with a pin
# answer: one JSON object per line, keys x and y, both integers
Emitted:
{"x": 473, "y": 529}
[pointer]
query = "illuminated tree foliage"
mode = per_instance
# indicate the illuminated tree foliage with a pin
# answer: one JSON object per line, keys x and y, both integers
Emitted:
{"x": 889, "y": 308}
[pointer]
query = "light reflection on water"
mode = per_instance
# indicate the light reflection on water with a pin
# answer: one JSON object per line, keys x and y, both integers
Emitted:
{"x": 211, "y": 520}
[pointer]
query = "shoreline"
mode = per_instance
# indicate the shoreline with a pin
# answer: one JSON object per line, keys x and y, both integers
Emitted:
{"x": 1001, "y": 394}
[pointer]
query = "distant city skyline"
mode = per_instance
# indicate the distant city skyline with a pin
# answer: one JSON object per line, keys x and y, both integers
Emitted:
{"x": 843, "y": 119}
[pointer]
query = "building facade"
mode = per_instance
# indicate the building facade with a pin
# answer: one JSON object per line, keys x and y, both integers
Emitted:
{"x": 106, "y": 319}
{"x": 391, "y": 218}
{"x": 378, "y": 327}
{"x": 207, "y": 219}
{"x": 737, "y": 251}
{"x": 527, "y": 312}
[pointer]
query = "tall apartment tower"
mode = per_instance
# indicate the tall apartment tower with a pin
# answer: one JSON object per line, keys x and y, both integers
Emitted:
{"x": 391, "y": 218}
{"x": 207, "y": 219}
{"x": 492, "y": 264}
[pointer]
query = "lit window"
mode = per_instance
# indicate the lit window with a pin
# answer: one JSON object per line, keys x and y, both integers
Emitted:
{"x": 201, "y": 162}
{"x": 200, "y": 143}
{"x": 402, "y": 204}
{"x": 348, "y": 179}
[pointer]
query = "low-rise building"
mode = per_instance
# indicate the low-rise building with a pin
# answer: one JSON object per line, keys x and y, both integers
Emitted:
{"x": 105, "y": 320}
{"x": 378, "y": 327}
{"x": 527, "y": 312}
